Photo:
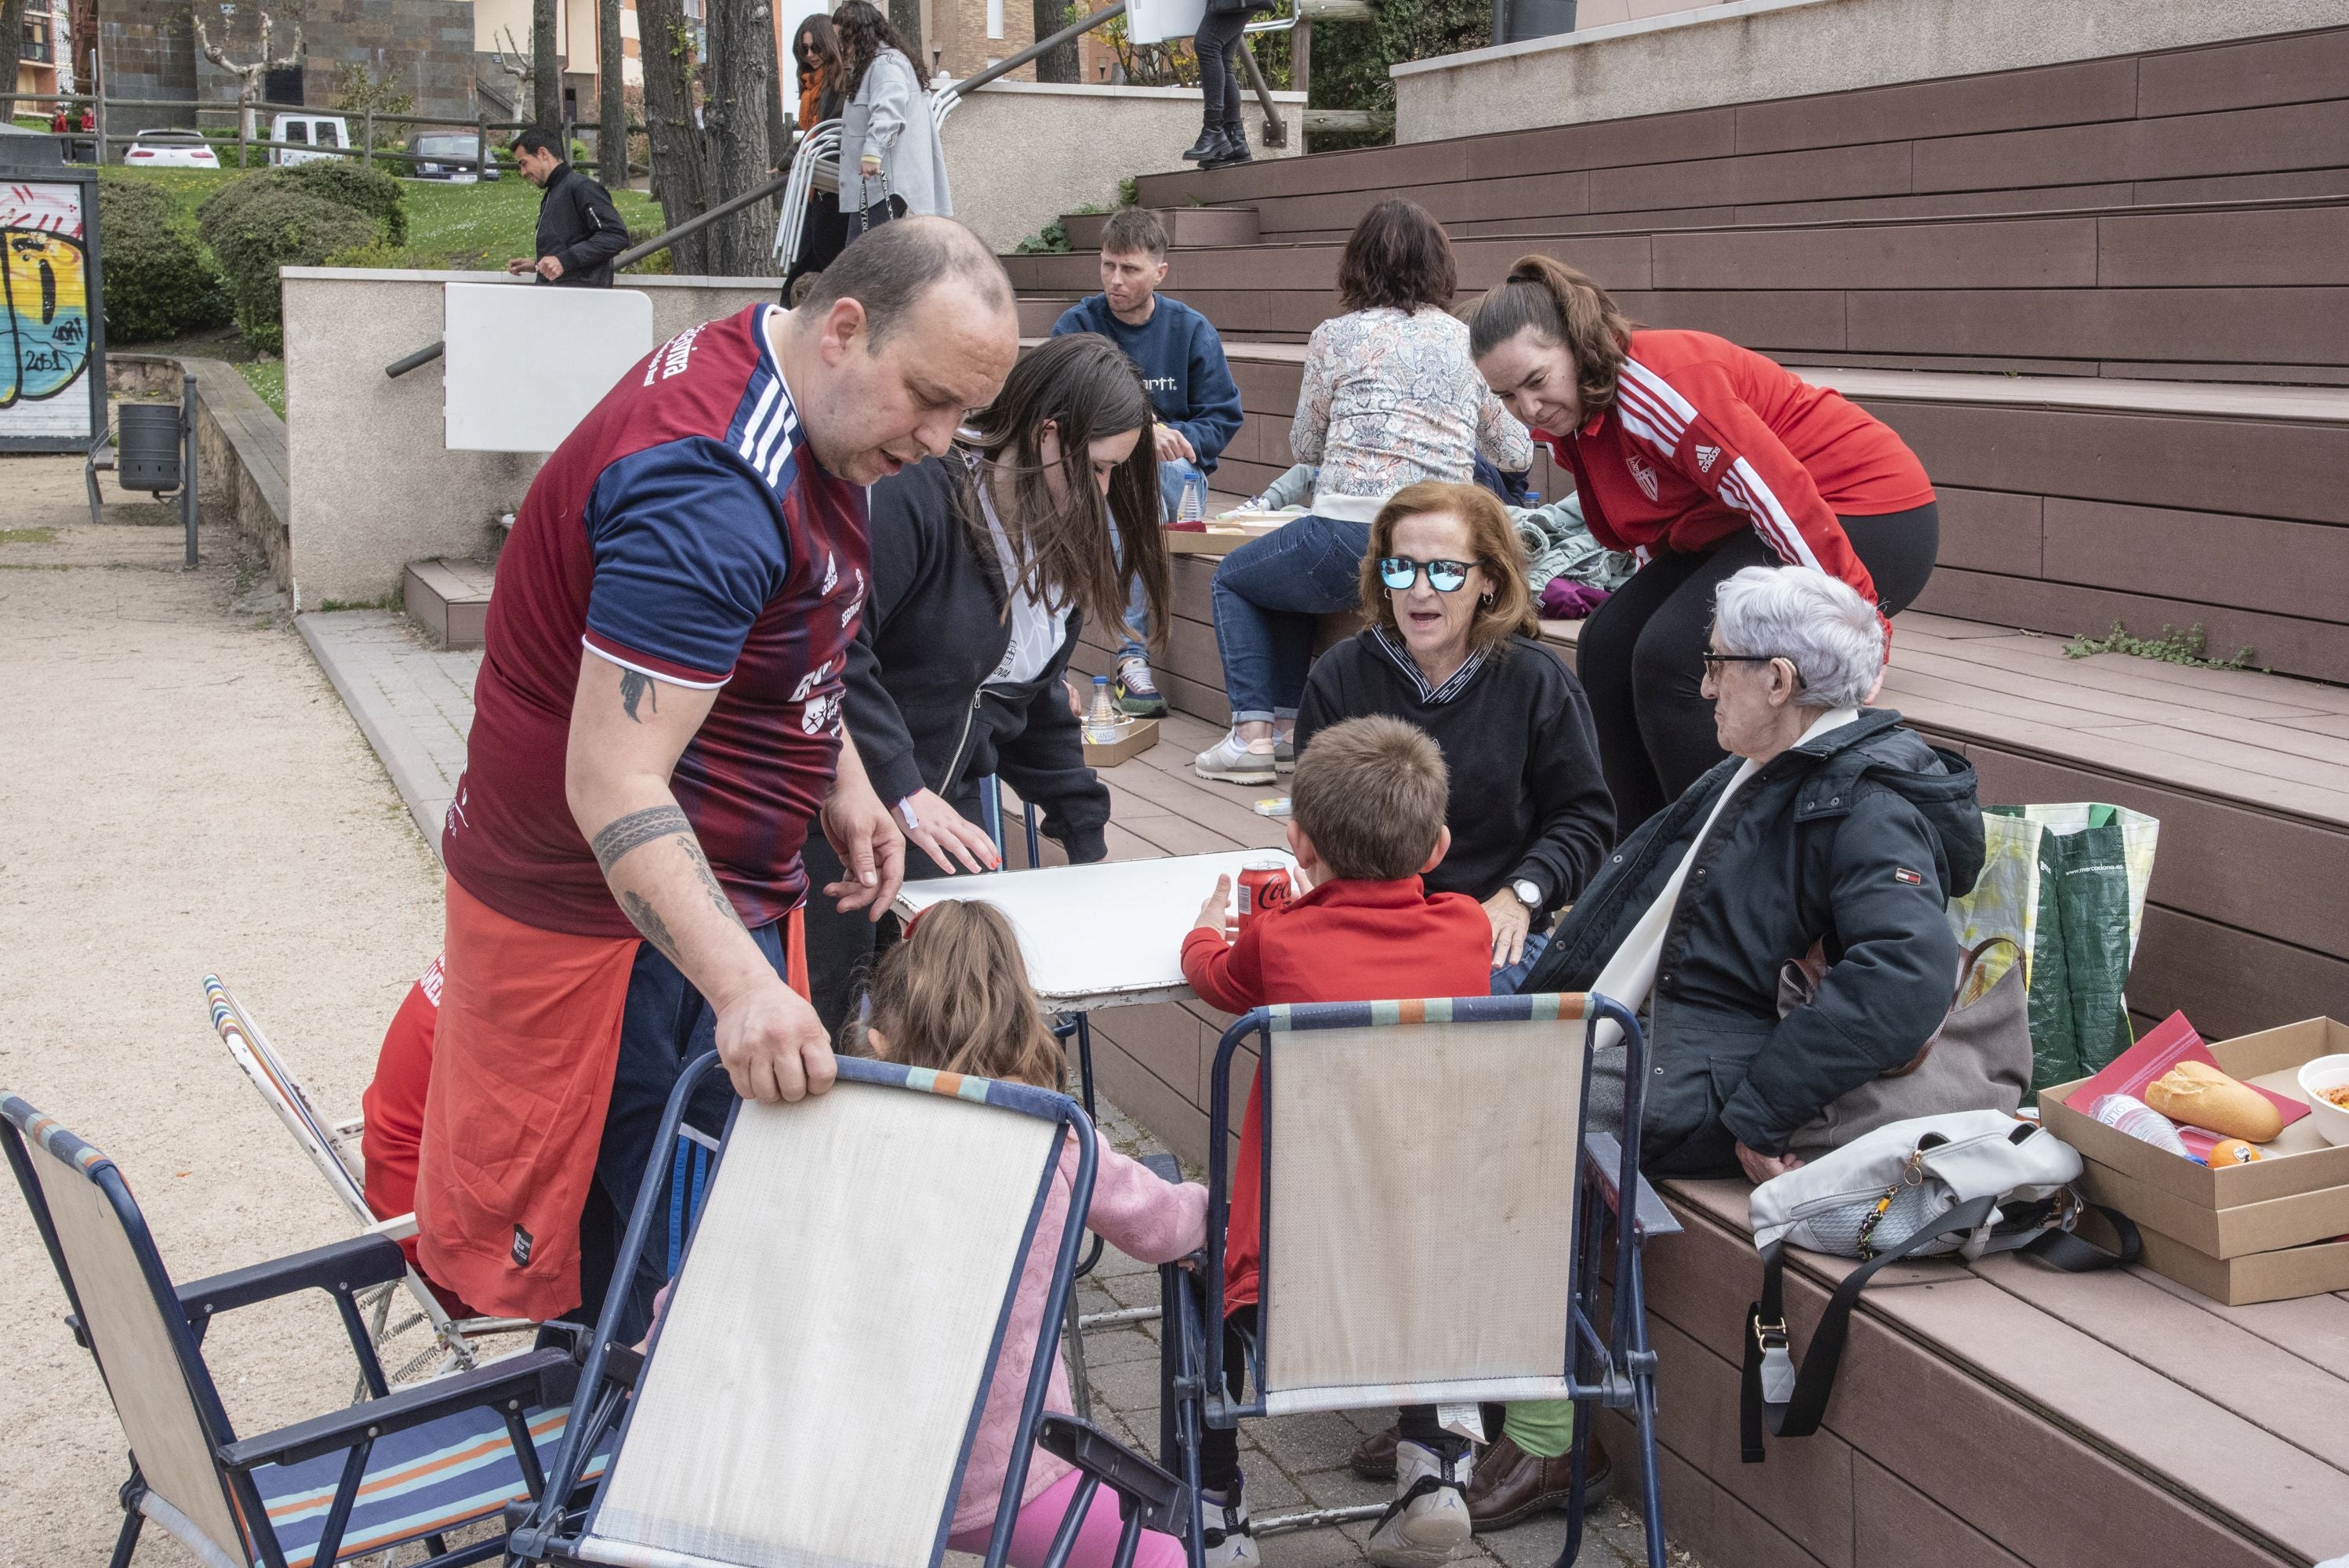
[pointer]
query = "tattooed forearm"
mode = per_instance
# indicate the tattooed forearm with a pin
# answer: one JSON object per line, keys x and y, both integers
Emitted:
{"x": 633, "y": 686}
{"x": 622, "y": 834}
{"x": 648, "y": 921}
{"x": 718, "y": 898}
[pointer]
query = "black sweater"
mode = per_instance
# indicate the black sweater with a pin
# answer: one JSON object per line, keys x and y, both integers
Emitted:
{"x": 934, "y": 630}
{"x": 1527, "y": 798}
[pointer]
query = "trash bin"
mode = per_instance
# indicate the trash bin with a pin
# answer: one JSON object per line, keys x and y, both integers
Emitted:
{"x": 147, "y": 447}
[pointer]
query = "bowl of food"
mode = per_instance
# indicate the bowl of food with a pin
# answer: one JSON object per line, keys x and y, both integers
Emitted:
{"x": 2325, "y": 1083}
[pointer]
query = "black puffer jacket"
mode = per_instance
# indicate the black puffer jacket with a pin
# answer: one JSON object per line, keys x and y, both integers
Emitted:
{"x": 578, "y": 224}
{"x": 1856, "y": 840}
{"x": 934, "y": 630}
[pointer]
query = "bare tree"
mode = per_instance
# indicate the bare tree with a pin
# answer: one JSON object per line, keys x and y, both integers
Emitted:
{"x": 248, "y": 76}
{"x": 545, "y": 71}
{"x": 734, "y": 89}
{"x": 611, "y": 101}
{"x": 680, "y": 178}
{"x": 514, "y": 61}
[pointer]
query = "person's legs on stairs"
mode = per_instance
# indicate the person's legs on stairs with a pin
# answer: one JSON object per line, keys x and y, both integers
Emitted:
{"x": 1667, "y": 669}
{"x": 1602, "y": 659}
{"x": 1213, "y": 44}
{"x": 1269, "y": 594}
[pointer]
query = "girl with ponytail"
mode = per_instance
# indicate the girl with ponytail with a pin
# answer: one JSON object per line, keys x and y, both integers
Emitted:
{"x": 1704, "y": 458}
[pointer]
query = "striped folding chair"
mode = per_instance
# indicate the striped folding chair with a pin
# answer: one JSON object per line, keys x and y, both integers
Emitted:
{"x": 394, "y": 1469}
{"x": 813, "y": 1388}
{"x": 1432, "y": 1212}
{"x": 333, "y": 1147}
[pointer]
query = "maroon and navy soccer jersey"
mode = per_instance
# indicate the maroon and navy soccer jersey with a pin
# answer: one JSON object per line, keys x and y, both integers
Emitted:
{"x": 685, "y": 531}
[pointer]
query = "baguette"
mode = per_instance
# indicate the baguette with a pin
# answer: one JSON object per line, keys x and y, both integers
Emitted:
{"x": 2206, "y": 1098}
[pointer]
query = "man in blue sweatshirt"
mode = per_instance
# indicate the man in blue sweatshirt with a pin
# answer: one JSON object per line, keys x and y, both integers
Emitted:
{"x": 1190, "y": 385}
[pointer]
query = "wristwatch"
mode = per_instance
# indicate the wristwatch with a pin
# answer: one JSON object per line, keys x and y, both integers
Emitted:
{"x": 1528, "y": 892}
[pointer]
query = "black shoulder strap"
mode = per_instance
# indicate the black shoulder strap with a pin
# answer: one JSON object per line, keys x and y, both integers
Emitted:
{"x": 1793, "y": 1404}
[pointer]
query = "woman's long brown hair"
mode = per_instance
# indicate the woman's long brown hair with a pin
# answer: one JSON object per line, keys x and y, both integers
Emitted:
{"x": 1086, "y": 388}
{"x": 1558, "y": 305}
{"x": 864, "y": 30}
{"x": 954, "y": 995}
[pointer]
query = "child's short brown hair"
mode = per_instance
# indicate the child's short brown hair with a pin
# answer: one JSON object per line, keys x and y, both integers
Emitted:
{"x": 1371, "y": 794}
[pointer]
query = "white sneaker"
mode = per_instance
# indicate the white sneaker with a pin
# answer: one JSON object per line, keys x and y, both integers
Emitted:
{"x": 1238, "y": 761}
{"x": 1226, "y": 1538}
{"x": 1429, "y": 1520}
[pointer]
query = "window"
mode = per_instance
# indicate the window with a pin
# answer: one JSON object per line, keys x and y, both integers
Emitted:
{"x": 994, "y": 18}
{"x": 296, "y": 131}
{"x": 327, "y": 136}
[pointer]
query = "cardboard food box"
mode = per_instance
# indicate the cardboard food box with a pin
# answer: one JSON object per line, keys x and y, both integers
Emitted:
{"x": 1223, "y": 534}
{"x": 1135, "y": 736}
{"x": 2237, "y": 1229}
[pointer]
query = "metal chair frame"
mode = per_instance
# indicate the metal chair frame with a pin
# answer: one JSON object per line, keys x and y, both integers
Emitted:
{"x": 1616, "y": 1370}
{"x": 536, "y": 1379}
{"x": 553, "y": 1532}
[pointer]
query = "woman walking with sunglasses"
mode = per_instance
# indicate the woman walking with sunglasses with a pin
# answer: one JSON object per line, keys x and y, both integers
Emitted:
{"x": 1706, "y": 459}
{"x": 1452, "y": 648}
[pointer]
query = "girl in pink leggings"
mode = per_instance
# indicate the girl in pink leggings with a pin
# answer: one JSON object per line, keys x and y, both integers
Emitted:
{"x": 954, "y": 995}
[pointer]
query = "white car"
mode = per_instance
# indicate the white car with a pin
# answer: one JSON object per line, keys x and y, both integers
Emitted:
{"x": 306, "y": 131}
{"x": 171, "y": 149}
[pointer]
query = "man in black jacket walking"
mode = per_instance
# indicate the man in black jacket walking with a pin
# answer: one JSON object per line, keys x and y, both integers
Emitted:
{"x": 579, "y": 230}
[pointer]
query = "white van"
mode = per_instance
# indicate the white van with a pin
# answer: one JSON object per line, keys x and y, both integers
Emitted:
{"x": 307, "y": 132}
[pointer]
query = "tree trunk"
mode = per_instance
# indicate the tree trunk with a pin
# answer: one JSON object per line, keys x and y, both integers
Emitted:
{"x": 782, "y": 108}
{"x": 12, "y": 45}
{"x": 906, "y": 15}
{"x": 678, "y": 174}
{"x": 735, "y": 85}
{"x": 1059, "y": 65}
{"x": 545, "y": 72}
{"x": 612, "y": 104}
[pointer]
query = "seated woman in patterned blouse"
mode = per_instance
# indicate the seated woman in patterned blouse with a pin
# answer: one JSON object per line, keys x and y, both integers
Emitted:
{"x": 1390, "y": 398}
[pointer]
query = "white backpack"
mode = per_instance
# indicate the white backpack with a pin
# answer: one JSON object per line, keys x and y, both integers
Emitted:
{"x": 1971, "y": 1182}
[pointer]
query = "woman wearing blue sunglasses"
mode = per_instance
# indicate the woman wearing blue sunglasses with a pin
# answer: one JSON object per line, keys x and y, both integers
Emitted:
{"x": 1452, "y": 649}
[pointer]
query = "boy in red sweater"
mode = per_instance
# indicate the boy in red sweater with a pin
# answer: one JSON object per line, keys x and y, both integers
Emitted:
{"x": 1366, "y": 822}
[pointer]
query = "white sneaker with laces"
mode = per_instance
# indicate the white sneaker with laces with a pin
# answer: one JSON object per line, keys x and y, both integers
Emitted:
{"x": 1226, "y": 1538}
{"x": 1238, "y": 761}
{"x": 1429, "y": 1520}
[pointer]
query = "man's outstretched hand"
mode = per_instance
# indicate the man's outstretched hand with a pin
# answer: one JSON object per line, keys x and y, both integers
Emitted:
{"x": 772, "y": 1044}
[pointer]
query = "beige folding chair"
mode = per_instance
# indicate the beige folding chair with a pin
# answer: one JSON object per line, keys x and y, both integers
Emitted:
{"x": 333, "y": 1147}
{"x": 813, "y": 1388}
{"x": 1431, "y": 1219}
{"x": 394, "y": 1467}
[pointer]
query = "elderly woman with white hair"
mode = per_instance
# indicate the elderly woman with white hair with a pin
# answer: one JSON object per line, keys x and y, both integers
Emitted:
{"x": 1830, "y": 824}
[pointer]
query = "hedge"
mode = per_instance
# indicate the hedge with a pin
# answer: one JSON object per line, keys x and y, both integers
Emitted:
{"x": 158, "y": 283}
{"x": 345, "y": 183}
{"x": 270, "y": 228}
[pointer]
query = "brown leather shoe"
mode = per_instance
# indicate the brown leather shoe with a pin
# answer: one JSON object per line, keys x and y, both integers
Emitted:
{"x": 1511, "y": 1485}
{"x": 1373, "y": 1458}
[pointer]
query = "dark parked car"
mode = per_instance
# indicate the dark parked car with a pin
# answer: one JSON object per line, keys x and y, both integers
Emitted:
{"x": 449, "y": 156}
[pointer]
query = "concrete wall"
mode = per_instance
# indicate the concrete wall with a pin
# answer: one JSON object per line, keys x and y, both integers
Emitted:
{"x": 1756, "y": 49}
{"x": 1019, "y": 154}
{"x": 371, "y": 487}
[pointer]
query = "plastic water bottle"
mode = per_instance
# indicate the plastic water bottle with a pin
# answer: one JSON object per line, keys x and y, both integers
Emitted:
{"x": 1101, "y": 718}
{"x": 2126, "y": 1113}
{"x": 1193, "y": 506}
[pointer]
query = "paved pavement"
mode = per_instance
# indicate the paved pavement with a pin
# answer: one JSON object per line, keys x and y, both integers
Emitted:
{"x": 414, "y": 702}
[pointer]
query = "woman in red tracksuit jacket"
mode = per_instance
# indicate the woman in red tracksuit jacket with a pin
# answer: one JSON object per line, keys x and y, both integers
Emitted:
{"x": 1702, "y": 457}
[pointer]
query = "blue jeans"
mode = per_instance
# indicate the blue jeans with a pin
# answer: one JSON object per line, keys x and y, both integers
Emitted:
{"x": 1269, "y": 594}
{"x": 1506, "y": 981}
{"x": 1171, "y": 476}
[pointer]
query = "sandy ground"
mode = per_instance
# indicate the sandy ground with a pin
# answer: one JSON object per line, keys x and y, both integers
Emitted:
{"x": 183, "y": 792}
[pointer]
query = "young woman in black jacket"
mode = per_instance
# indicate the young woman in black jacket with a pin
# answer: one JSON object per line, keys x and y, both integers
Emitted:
{"x": 986, "y": 564}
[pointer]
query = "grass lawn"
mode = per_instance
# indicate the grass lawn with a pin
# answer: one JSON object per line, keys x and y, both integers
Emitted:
{"x": 451, "y": 227}
{"x": 266, "y": 377}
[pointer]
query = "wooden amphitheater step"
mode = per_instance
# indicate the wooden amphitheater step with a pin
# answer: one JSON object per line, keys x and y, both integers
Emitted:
{"x": 1187, "y": 227}
{"x": 450, "y": 600}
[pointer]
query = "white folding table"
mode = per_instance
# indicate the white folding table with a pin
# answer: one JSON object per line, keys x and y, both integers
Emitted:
{"x": 1109, "y": 934}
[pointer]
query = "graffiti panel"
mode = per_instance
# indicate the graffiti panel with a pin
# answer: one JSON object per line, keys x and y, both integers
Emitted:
{"x": 45, "y": 310}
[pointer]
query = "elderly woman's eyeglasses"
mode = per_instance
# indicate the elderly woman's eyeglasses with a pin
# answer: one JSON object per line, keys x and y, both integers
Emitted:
{"x": 1400, "y": 572}
{"x": 1713, "y": 661}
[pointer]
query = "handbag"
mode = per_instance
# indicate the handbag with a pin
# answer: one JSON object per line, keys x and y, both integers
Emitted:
{"x": 1979, "y": 1059}
{"x": 1971, "y": 1182}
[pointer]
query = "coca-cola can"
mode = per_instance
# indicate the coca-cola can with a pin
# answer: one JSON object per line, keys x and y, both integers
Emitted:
{"x": 1264, "y": 887}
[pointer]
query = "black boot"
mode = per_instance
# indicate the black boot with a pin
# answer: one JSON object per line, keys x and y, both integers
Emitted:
{"x": 1209, "y": 146}
{"x": 1236, "y": 148}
